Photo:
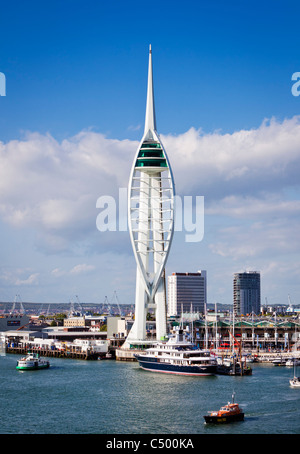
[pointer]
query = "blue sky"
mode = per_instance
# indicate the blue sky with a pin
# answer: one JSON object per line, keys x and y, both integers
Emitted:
{"x": 73, "y": 64}
{"x": 75, "y": 93}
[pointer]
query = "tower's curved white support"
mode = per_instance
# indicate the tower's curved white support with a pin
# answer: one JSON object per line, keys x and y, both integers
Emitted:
{"x": 151, "y": 221}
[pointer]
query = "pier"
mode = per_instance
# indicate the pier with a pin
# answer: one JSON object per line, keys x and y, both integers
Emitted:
{"x": 70, "y": 353}
{"x": 119, "y": 354}
{"x": 127, "y": 354}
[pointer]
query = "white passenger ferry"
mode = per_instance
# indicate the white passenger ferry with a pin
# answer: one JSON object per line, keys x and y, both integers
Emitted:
{"x": 32, "y": 362}
{"x": 177, "y": 356}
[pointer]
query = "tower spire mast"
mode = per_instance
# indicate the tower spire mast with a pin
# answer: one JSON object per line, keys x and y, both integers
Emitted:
{"x": 150, "y": 120}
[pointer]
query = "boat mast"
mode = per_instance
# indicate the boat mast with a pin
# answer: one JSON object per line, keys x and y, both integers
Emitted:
{"x": 216, "y": 341}
{"x": 206, "y": 337}
{"x": 192, "y": 328}
{"x": 275, "y": 329}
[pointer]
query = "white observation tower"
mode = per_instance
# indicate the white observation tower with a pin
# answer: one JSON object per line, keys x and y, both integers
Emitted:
{"x": 151, "y": 222}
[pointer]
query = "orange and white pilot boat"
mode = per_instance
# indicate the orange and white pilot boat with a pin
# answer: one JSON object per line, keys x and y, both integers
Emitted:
{"x": 228, "y": 413}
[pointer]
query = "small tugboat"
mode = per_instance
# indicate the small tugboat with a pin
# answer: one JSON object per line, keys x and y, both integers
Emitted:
{"x": 32, "y": 362}
{"x": 229, "y": 413}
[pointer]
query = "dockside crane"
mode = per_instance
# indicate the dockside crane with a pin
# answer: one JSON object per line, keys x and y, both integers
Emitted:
{"x": 80, "y": 306}
{"x": 115, "y": 297}
{"x": 107, "y": 304}
{"x": 13, "y": 309}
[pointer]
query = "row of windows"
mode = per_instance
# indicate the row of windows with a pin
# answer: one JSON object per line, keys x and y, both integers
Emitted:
{"x": 151, "y": 145}
{"x": 151, "y": 163}
{"x": 151, "y": 155}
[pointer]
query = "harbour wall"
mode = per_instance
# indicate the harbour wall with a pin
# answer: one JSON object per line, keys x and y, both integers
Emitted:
{"x": 120, "y": 354}
{"x": 58, "y": 353}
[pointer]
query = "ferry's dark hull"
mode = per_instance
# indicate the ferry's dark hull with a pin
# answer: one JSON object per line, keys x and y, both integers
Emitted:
{"x": 151, "y": 364}
{"x": 224, "y": 419}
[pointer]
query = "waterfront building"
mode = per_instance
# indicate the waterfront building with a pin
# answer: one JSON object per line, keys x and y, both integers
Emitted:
{"x": 117, "y": 327}
{"x": 246, "y": 292}
{"x": 13, "y": 321}
{"x": 74, "y": 321}
{"x": 251, "y": 333}
{"x": 151, "y": 222}
{"x": 187, "y": 292}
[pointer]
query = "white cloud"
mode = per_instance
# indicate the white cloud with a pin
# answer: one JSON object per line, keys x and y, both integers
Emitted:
{"x": 57, "y": 272}
{"x": 82, "y": 268}
{"x": 257, "y": 239}
{"x": 263, "y": 207}
{"x": 53, "y": 187}
{"x": 244, "y": 162}
{"x": 17, "y": 277}
{"x": 250, "y": 181}
{"x": 32, "y": 279}
{"x": 134, "y": 127}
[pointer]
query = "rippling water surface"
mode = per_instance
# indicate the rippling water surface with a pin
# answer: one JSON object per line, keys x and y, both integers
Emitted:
{"x": 109, "y": 397}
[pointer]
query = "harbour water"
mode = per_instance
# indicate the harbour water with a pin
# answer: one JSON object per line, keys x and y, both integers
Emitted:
{"x": 111, "y": 397}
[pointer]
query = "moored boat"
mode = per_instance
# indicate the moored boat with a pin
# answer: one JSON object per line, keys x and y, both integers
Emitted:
{"x": 177, "y": 356}
{"x": 234, "y": 368}
{"x": 228, "y": 413}
{"x": 295, "y": 381}
{"x": 279, "y": 362}
{"x": 231, "y": 366}
{"x": 32, "y": 362}
{"x": 292, "y": 362}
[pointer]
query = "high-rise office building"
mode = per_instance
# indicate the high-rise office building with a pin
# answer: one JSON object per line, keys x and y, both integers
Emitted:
{"x": 246, "y": 292}
{"x": 186, "y": 292}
